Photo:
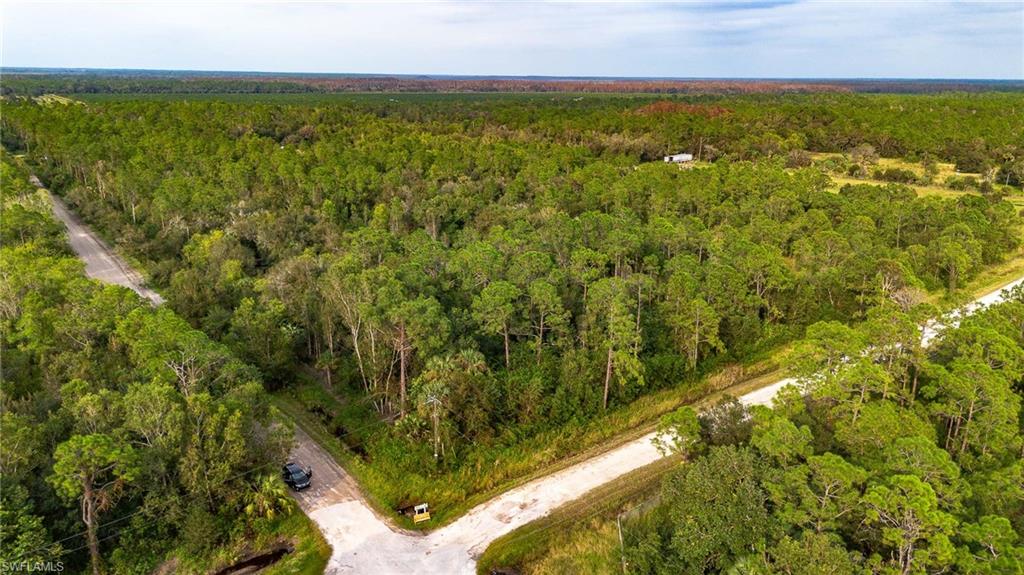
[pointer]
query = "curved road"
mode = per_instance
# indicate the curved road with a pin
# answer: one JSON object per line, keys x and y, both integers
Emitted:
{"x": 362, "y": 542}
{"x": 365, "y": 543}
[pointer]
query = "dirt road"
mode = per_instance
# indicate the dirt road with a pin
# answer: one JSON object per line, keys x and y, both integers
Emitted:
{"x": 101, "y": 262}
{"x": 364, "y": 543}
{"x": 330, "y": 483}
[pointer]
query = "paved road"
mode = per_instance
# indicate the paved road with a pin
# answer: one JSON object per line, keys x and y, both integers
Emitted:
{"x": 364, "y": 543}
{"x": 101, "y": 262}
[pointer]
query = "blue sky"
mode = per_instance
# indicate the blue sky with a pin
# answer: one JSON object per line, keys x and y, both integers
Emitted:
{"x": 809, "y": 39}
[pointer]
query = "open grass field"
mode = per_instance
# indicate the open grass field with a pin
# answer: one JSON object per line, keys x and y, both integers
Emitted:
{"x": 55, "y": 99}
{"x": 938, "y": 188}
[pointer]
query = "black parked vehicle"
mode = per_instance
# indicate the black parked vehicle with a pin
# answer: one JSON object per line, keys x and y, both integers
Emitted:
{"x": 296, "y": 477}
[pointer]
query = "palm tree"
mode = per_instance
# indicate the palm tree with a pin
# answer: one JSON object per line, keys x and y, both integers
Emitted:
{"x": 471, "y": 362}
{"x": 266, "y": 498}
{"x": 434, "y": 387}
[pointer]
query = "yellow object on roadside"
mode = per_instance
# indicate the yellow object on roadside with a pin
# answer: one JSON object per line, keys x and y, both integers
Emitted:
{"x": 422, "y": 513}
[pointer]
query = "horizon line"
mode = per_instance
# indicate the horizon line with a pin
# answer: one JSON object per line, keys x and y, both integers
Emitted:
{"x": 52, "y": 70}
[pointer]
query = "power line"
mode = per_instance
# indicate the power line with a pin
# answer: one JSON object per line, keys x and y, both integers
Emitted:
{"x": 130, "y": 515}
{"x": 141, "y": 511}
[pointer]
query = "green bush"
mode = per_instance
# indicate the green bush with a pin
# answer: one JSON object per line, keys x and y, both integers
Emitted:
{"x": 898, "y": 175}
{"x": 962, "y": 183}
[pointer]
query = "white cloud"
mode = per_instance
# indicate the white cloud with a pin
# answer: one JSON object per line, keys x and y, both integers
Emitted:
{"x": 765, "y": 39}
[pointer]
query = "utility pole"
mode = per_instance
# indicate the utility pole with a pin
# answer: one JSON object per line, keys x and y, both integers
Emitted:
{"x": 622, "y": 545}
{"x": 435, "y": 403}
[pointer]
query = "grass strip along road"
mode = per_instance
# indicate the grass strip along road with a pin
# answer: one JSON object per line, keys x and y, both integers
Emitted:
{"x": 364, "y": 543}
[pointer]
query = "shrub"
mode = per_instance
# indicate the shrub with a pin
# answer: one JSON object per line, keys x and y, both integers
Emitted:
{"x": 798, "y": 159}
{"x": 898, "y": 175}
{"x": 864, "y": 154}
{"x": 961, "y": 183}
{"x": 202, "y": 531}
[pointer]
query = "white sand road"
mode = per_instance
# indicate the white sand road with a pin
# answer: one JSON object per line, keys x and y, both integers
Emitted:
{"x": 101, "y": 262}
{"x": 362, "y": 541}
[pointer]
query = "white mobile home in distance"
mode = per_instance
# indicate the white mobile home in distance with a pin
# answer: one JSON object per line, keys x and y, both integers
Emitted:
{"x": 679, "y": 158}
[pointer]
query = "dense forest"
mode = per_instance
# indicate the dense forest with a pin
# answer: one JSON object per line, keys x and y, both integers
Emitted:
{"x": 898, "y": 462}
{"x": 123, "y": 427}
{"x": 461, "y": 276}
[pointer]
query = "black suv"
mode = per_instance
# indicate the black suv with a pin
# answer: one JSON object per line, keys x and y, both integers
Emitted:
{"x": 296, "y": 477}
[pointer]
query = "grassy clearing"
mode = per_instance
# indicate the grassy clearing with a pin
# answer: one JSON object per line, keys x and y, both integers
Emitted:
{"x": 593, "y": 548}
{"x": 545, "y": 546}
{"x": 1017, "y": 200}
{"x": 55, "y": 99}
{"x": 944, "y": 171}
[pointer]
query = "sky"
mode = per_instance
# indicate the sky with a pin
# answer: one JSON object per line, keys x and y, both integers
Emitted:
{"x": 763, "y": 39}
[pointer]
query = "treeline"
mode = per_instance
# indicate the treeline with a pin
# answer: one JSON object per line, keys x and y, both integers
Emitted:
{"x": 890, "y": 459}
{"x": 168, "y": 82}
{"x": 127, "y": 434}
{"x": 486, "y": 271}
{"x": 39, "y": 84}
{"x": 71, "y": 84}
{"x": 977, "y": 132}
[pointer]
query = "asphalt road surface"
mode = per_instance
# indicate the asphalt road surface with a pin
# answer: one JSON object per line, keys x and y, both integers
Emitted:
{"x": 101, "y": 263}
